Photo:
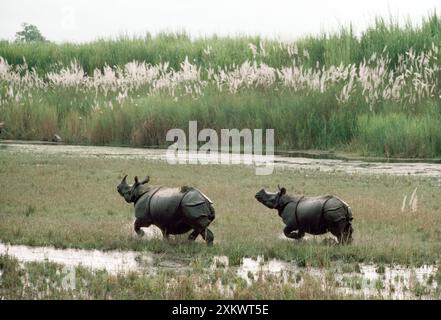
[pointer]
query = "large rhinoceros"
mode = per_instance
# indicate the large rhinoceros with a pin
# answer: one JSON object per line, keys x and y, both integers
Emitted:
{"x": 173, "y": 210}
{"x": 314, "y": 215}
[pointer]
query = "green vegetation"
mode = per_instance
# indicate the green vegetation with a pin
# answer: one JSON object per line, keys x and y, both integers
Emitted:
{"x": 45, "y": 281}
{"x": 30, "y": 33}
{"x": 72, "y": 202}
{"x": 419, "y": 135}
{"x": 326, "y": 49}
{"x": 374, "y": 95}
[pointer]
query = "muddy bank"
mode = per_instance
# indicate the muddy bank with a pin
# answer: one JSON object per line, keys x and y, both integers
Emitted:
{"x": 367, "y": 280}
{"x": 324, "y": 165}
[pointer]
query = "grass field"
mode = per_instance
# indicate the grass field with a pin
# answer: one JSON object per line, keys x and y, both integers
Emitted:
{"x": 72, "y": 202}
{"x": 68, "y": 202}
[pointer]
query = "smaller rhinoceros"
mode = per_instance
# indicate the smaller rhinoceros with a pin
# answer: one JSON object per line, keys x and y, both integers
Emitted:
{"x": 173, "y": 210}
{"x": 314, "y": 215}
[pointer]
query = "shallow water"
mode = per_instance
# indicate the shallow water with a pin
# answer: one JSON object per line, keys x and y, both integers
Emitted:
{"x": 325, "y": 165}
{"x": 389, "y": 282}
{"x": 393, "y": 282}
{"x": 112, "y": 261}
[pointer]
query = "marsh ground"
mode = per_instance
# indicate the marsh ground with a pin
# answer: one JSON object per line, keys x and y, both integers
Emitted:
{"x": 52, "y": 200}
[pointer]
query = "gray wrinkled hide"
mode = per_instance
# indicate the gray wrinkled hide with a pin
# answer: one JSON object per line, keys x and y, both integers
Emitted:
{"x": 162, "y": 207}
{"x": 309, "y": 213}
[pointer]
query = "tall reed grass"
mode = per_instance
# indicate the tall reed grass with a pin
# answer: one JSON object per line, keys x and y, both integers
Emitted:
{"x": 330, "y": 91}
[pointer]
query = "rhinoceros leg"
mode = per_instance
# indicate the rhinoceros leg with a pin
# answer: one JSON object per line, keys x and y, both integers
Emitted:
{"x": 137, "y": 226}
{"x": 290, "y": 233}
{"x": 192, "y": 236}
{"x": 199, "y": 218}
{"x": 165, "y": 234}
{"x": 347, "y": 234}
{"x": 343, "y": 231}
{"x": 208, "y": 236}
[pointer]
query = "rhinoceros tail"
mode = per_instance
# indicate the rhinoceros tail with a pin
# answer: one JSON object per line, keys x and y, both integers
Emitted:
{"x": 185, "y": 189}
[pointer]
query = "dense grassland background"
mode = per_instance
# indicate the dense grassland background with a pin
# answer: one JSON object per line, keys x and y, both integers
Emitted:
{"x": 376, "y": 94}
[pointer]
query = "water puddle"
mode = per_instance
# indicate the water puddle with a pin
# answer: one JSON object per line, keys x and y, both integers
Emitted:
{"x": 389, "y": 282}
{"x": 324, "y": 165}
{"x": 113, "y": 262}
{"x": 370, "y": 281}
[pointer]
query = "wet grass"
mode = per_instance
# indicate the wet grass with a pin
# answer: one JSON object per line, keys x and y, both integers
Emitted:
{"x": 46, "y": 280}
{"x": 49, "y": 281}
{"x": 72, "y": 202}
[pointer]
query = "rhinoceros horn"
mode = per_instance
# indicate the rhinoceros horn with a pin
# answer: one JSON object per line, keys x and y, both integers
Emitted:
{"x": 123, "y": 181}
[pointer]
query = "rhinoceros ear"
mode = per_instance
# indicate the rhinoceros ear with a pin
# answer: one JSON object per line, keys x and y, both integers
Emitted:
{"x": 136, "y": 180}
{"x": 282, "y": 191}
{"x": 147, "y": 179}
